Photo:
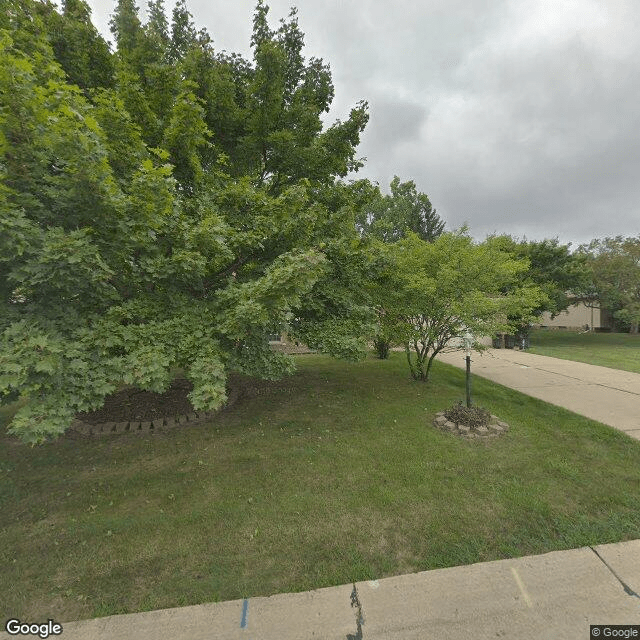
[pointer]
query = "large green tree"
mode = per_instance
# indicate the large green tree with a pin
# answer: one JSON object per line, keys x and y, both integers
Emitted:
{"x": 438, "y": 290}
{"x": 390, "y": 217}
{"x": 613, "y": 266}
{"x": 283, "y": 98}
{"x": 80, "y": 50}
{"x": 560, "y": 274}
{"x": 137, "y": 234}
{"x": 264, "y": 114}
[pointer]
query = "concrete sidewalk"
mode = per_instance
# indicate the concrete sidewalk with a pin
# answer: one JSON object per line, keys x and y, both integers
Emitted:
{"x": 608, "y": 395}
{"x": 554, "y": 596}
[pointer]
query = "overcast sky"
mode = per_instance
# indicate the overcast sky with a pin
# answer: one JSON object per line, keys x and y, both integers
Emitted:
{"x": 518, "y": 117}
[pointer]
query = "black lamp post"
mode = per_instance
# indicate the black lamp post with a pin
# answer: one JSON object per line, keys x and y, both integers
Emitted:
{"x": 468, "y": 342}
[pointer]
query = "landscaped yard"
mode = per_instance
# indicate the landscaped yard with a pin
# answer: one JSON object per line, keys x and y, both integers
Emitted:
{"x": 615, "y": 350}
{"x": 330, "y": 476}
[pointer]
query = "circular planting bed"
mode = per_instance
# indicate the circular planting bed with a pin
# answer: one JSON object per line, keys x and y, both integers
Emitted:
{"x": 132, "y": 410}
{"x": 492, "y": 429}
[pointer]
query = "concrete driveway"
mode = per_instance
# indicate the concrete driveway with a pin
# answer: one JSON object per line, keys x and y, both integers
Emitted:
{"x": 608, "y": 395}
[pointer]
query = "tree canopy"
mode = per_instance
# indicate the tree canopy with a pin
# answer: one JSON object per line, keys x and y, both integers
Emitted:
{"x": 166, "y": 206}
{"x": 435, "y": 291}
{"x": 560, "y": 274}
{"x": 613, "y": 267}
{"x": 390, "y": 217}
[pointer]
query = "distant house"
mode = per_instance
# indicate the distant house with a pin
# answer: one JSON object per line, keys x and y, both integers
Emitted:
{"x": 282, "y": 342}
{"x": 578, "y": 316}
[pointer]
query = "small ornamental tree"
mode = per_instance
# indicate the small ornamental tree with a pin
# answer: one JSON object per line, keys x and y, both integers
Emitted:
{"x": 437, "y": 290}
{"x": 389, "y": 218}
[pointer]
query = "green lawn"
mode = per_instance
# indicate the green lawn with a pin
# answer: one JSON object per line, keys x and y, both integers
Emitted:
{"x": 330, "y": 476}
{"x": 614, "y": 350}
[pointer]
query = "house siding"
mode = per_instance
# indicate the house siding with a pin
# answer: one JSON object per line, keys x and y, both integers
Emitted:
{"x": 577, "y": 316}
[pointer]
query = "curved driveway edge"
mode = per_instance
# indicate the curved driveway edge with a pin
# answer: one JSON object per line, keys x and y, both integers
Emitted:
{"x": 610, "y": 396}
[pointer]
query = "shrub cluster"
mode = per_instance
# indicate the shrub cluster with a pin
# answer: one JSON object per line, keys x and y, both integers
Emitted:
{"x": 470, "y": 416}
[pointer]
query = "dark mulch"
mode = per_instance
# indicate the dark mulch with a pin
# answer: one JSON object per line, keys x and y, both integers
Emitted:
{"x": 134, "y": 404}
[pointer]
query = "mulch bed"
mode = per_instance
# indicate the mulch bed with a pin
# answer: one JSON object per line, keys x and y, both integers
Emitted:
{"x": 134, "y": 404}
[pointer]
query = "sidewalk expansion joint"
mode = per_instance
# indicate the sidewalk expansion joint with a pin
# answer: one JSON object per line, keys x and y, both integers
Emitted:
{"x": 627, "y": 589}
{"x": 355, "y": 603}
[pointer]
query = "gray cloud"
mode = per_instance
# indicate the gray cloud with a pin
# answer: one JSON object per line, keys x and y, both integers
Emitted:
{"x": 398, "y": 122}
{"x": 515, "y": 117}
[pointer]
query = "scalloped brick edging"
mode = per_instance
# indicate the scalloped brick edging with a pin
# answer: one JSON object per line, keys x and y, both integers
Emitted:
{"x": 151, "y": 426}
{"x": 495, "y": 428}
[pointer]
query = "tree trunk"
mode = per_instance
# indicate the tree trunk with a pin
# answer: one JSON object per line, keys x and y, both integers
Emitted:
{"x": 422, "y": 373}
{"x": 414, "y": 373}
{"x": 429, "y": 363}
{"x": 382, "y": 348}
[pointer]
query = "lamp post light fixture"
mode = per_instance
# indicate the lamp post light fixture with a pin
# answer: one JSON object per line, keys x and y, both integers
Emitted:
{"x": 468, "y": 343}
